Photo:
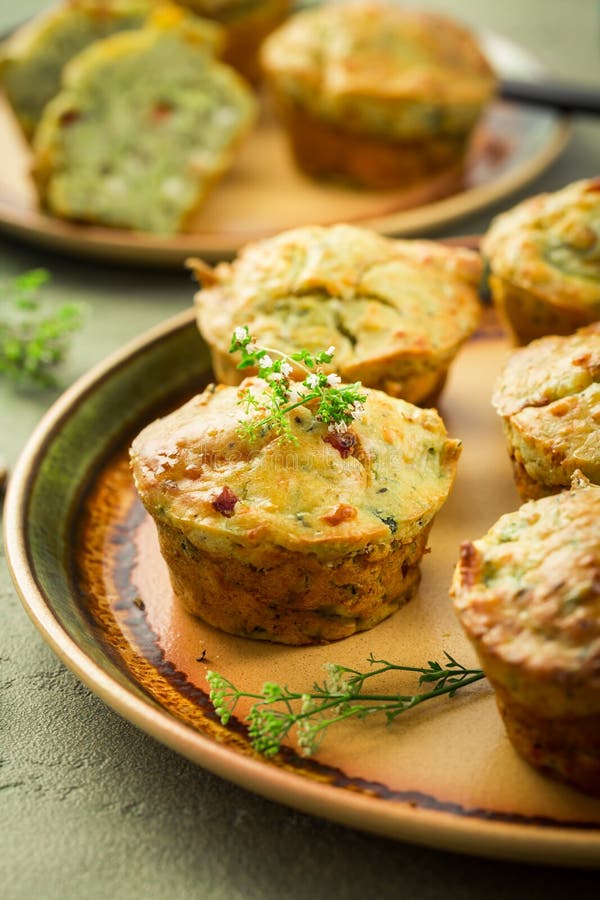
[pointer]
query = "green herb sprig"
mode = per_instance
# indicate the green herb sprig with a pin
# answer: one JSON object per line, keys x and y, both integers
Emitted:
{"x": 337, "y": 405}
{"x": 34, "y": 336}
{"x": 278, "y": 710}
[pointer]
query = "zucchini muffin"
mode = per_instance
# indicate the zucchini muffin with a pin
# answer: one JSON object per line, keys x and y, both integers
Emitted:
{"x": 246, "y": 24}
{"x": 145, "y": 124}
{"x": 544, "y": 261}
{"x": 300, "y": 541}
{"x": 528, "y": 597}
{"x": 32, "y": 59}
{"x": 396, "y": 311}
{"x": 548, "y": 395}
{"x": 376, "y": 94}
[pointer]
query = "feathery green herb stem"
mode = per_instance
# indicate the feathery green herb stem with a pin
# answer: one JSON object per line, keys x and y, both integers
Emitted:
{"x": 278, "y": 710}
{"x": 337, "y": 405}
{"x": 34, "y": 335}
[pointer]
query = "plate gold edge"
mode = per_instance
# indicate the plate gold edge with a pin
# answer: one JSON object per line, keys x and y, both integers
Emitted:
{"x": 440, "y": 829}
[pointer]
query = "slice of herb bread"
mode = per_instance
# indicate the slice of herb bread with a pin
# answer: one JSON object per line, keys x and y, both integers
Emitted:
{"x": 145, "y": 123}
{"x": 32, "y": 59}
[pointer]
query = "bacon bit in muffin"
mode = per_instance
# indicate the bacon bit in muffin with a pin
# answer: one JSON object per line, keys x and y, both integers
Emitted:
{"x": 594, "y": 184}
{"x": 225, "y": 502}
{"x": 69, "y": 117}
{"x": 161, "y": 111}
{"x": 340, "y": 513}
{"x": 581, "y": 360}
{"x": 468, "y": 560}
{"x": 345, "y": 443}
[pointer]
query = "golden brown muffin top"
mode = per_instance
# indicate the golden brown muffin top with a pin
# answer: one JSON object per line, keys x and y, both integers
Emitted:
{"x": 371, "y": 297}
{"x": 550, "y": 392}
{"x": 548, "y": 369}
{"x": 550, "y": 245}
{"x": 326, "y": 493}
{"x": 379, "y": 49}
{"x": 529, "y": 593}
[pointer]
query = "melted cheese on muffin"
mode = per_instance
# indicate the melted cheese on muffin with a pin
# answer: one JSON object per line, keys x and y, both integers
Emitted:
{"x": 316, "y": 495}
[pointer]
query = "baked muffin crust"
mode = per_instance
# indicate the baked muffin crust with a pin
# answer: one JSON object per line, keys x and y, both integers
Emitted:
{"x": 528, "y": 596}
{"x": 295, "y": 542}
{"x": 381, "y": 69}
{"x": 396, "y": 311}
{"x": 549, "y": 398}
{"x": 544, "y": 256}
{"x": 375, "y": 94}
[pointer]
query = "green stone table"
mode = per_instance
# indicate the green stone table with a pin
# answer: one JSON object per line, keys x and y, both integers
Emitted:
{"x": 90, "y": 807}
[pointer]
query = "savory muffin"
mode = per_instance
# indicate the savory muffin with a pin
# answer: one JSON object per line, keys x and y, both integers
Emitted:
{"x": 544, "y": 261}
{"x": 548, "y": 395}
{"x": 298, "y": 541}
{"x": 144, "y": 125}
{"x": 396, "y": 311}
{"x": 528, "y": 597}
{"x": 246, "y": 24}
{"x": 32, "y": 59}
{"x": 376, "y": 94}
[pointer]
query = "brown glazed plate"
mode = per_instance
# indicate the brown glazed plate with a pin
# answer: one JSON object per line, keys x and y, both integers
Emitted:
{"x": 85, "y": 561}
{"x": 264, "y": 193}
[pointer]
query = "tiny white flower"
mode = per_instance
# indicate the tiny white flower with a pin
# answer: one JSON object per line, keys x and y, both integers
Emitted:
{"x": 358, "y": 410}
{"x": 330, "y": 350}
{"x": 338, "y": 427}
{"x": 333, "y": 380}
{"x": 240, "y": 333}
{"x": 265, "y": 362}
{"x": 251, "y": 347}
{"x": 286, "y": 369}
{"x": 312, "y": 380}
{"x": 276, "y": 376}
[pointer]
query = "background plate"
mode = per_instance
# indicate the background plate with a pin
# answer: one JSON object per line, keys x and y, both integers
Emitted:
{"x": 264, "y": 193}
{"x": 84, "y": 558}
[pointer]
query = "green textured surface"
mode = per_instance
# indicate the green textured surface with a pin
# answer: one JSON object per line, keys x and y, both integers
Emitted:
{"x": 91, "y": 808}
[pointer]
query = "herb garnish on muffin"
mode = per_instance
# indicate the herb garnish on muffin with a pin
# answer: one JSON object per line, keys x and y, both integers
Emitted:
{"x": 337, "y": 405}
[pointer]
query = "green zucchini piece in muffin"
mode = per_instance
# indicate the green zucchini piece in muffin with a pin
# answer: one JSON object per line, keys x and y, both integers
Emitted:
{"x": 146, "y": 122}
{"x": 32, "y": 59}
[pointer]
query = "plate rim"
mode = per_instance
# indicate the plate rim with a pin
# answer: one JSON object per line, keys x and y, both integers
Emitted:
{"x": 440, "y": 829}
{"x": 149, "y": 250}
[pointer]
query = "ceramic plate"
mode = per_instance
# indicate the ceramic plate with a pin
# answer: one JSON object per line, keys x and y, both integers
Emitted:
{"x": 85, "y": 560}
{"x": 264, "y": 194}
